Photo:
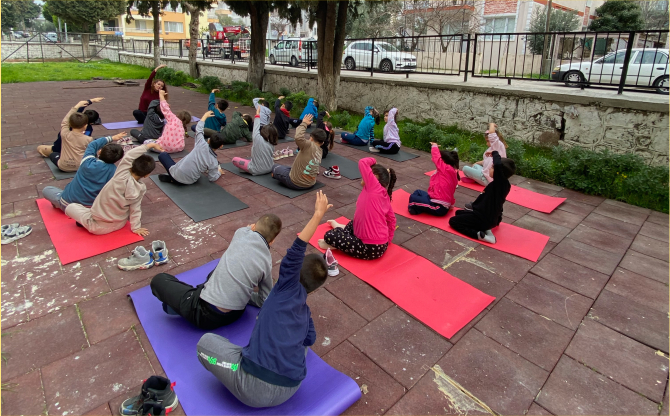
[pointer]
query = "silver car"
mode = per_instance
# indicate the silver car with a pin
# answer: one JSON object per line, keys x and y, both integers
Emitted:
{"x": 294, "y": 51}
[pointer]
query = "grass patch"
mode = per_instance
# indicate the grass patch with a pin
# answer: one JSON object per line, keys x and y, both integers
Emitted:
{"x": 536, "y": 76}
{"x": 69, "y": 71}
{"x": 489, "y": 72}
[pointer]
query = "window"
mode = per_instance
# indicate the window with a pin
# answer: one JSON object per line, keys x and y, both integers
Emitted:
{"x": 280, "y": 46}
{"x": 363, "y": 46}
{"x": 618, "y": 58}
{"x": 504, "y": 24}
{"x": 174, "y": 27}
{"x": 651, "y": 57}
{"x": 140, "y": 24}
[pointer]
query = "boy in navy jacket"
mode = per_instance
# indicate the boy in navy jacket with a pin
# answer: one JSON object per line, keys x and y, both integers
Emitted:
{"x": 269, "y": 370}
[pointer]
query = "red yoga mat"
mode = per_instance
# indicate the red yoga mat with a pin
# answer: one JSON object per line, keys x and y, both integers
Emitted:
{"x": 517, "y": 195}
{"x": 509, "y": 238}
{"x": 75, "y": 243}
{"x": 424, "y": 290}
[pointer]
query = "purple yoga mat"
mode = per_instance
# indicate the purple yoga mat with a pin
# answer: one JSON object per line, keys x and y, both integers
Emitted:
{"x": 325, "y": 391}
{"x": 132, "y": 124}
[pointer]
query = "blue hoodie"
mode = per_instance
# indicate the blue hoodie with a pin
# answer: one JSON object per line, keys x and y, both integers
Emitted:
{"x": 366, "y": 128}
{"x": 91, "y": 176}
{"x": 219, "y": 119}
{"x": 284, "y": 327}
{"x": 310, "y": 108}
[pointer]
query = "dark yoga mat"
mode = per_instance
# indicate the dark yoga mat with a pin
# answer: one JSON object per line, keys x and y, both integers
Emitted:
{"x": 401, "y": 156}
{"x": 202, "y": 200}
{"x": 239, "y": 143}
{"x": 58, "y": 174}
{"x": 132, "y": 124}
{"x": 177, "y": 155}
{"x": 269, "y": 182}
{"x": 348, "y": 168}
{"x": 325, "y": 391}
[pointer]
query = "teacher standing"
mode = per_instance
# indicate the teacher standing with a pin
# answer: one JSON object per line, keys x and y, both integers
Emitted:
{"x": 150, "y": 93}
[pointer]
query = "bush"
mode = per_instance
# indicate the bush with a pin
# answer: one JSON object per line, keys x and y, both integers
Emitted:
{"x": 299, "y": 100}
{"x": 340, "y": 119}
{"x": 210, "y": 83}
{"x": 172, "y": 77}
{"x": 284, "y": 91}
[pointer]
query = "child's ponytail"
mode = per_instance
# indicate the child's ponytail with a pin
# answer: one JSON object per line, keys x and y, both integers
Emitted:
{"x": 386, "y": 177}
{"x": 391, "y": 183}
{"x": 331, "y": 134}
{"x": 502, "y": 139}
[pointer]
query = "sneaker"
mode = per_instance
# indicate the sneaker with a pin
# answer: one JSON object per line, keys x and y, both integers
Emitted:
{"x": 374, "y": 150}
{"x": 159, "y": 252}
{"x": 277, "y": 155}
{"x": 163, "y": 177}
{"x": 44, "y": 150}
{"x": 5, "y": 228}
{"x": 487, "y": 236}
{"x": 468, "y": 206}
{"x": 151, "y": 408}
{"x": 333, "y": 172}
{"x": 287, "y": 152}
{"x": 332, "y": 263}
{"x": 140, "y": 259}
{"x": 15, "y": 233}
{"x": 156, "y": 390}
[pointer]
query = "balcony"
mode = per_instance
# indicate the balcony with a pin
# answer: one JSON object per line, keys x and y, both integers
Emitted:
{"x": 135, "y": 30}
{"x": 111, "y": 29}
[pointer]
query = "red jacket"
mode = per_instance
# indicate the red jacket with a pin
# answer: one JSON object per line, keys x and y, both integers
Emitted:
{"x": 443, "y": 182}
{"x": 374, "y": 220}
{"x": 148, "y": 95}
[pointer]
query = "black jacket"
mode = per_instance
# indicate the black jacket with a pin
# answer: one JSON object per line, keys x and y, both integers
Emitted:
{"x": 283, "y": 122}
{"x": 489, "y": 204}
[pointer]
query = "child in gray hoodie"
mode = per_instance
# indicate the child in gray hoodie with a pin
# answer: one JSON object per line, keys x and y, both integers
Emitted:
{"x": 261, "y": 148}
{"x": 265, "y": 111}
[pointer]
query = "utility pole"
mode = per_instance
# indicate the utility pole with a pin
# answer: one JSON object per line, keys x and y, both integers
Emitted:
{"x": 546, "y": 59}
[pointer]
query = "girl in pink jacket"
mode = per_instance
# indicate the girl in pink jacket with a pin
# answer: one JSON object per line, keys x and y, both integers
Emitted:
{"x": 443, "y": 183}
{"x": 172, "y": 139}
{"x": 481, "y": 172}
{"x": 368, "y": 235}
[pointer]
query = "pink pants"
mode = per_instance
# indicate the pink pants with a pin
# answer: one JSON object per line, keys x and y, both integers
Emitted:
{"x": 242, "y": 164}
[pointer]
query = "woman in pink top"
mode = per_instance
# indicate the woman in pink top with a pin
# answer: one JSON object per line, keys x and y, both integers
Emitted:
{"x": 443, "y": 183}
{"x": 368, "y": 235}
{"x": 172, "y": 139}
{"x": 480, "y": 172}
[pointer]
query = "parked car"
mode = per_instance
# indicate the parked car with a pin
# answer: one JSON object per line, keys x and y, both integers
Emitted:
{"x": 294, "y": 51}
{"x": 647, "y": 67}
{"x": 387, "y": 57}
{"x": 187, "y": 43}
{"x": 51, "y": 37}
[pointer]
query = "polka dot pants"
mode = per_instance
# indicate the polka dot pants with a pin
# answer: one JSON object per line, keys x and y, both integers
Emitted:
{"x": 344, "y": 240}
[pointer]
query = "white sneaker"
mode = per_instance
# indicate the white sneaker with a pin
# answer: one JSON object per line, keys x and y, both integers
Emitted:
{"x": 374, "y": 150}
{"x": 487, "y": 236}
{"x": 159, "y": 252}
{"x": 15, "y": 233}
{"x": 332, "y": 263}
{"x": 140, "y": 259}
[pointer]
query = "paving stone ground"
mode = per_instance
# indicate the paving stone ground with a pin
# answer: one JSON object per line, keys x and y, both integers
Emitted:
{"x": 582, "y": 331}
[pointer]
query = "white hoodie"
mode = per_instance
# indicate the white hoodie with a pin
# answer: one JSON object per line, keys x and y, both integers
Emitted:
{"x": 494, "y": 145}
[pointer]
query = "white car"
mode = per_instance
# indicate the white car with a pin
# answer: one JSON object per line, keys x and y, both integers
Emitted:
{"x": 647, "y": 67}
{"x": 387, "y": 58}
{"x": 294, "y": 51}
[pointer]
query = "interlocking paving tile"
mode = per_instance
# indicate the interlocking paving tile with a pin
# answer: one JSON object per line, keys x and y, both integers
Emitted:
{"x": 23, "y": 395}
{"x": 612, "y": 226}
{"x": 650, "y": 247}
{"x": 654, "y": 231}
{"x": 107, "y": 315}
{"x": 571, "y": 275}
{"x": 625, "y": 213}
{"x": 639, "y": 289}
{"x": 600, "y": 239}
{"x": 537, "y": 410}
{"x": 580, "y": 197}
{"x": 559, "y": 217}
{"x": 594, "y": 258}
{"x": 646, "y": 266}
{"x": 360, "y": 296}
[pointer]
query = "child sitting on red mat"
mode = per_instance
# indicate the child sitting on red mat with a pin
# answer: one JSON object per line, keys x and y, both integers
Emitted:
{"x": 443, "y": 183}
{"x": 368, "y": 235}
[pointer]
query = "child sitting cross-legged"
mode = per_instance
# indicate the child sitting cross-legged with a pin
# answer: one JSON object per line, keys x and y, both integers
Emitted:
{"x": 305, "y": 169}
{"x": 172, "y": 137}
{"x": 92, "y": 117}
{"x": 477, "y": 220}
{"x": 479, "y": 172}
{"x": 263, "y": 108}
{"x": 366, "y": 129}
{"x": 239, "y": 128}
{"x": 120, "y": 200}
{"x": 222, "y": 298}
{"x": 269, "y": 370}
{"x": 264, "y": 138}
{"x": 219, "y": 120}
{"x": 440, "y": 195}
{"x": 154, "y": 123}
{"x": 391, "y": 143}
{"x": 368, "y": 235}
{"x": 330, "y": 133}
{"x": 202, "y": 159}
{"x": 283, "y": 120}
{"x": 95, "y": 170}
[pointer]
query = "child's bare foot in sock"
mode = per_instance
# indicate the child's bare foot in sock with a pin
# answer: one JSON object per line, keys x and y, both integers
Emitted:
{"x": 335, "y": 224}
{"x": 324, "y": 245}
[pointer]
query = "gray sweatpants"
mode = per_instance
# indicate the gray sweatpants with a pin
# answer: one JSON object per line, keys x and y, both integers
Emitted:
{"x": 83, "y": 216}
{"x": 222, "y": 358}
{"x": 53, "y": 195}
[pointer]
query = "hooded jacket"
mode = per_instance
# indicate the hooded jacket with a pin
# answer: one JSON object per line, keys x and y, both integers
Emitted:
{"x": 367, "y": 126}
{"x": 73, "y": 145}
{"x": 391, "y": 132}
{"x": 283, "y": 121}
{"x": 444, "y": 181}
{"x": 172, "y": 139}
{"x": 310, "y": 108}
{"x": 219, "y": 120}
{"x": 265, "y": 112}
{"x": 92, "y": 175}
{"x": 374, "y": 220}
{"x": 154, "y": 122}
{"x": 236, "y": 130}
{"x": 494, "y": 145}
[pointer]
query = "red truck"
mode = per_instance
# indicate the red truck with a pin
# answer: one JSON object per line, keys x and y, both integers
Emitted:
{"x": 219, "y": 44}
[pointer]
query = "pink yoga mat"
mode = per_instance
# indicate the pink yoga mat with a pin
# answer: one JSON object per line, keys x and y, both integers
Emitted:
{"x": 424, "y": 290}
{"x": 517, "y": 195}
{"x": 75, "y": 243}
{"x": 510, "y": 239}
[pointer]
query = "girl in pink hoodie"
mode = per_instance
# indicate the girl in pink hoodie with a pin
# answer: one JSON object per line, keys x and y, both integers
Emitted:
{"x": 172, "y": 139}
{"x": 443, "y": 183}
{"x": 481, "y": 172}
{"x": 368, "y": 235}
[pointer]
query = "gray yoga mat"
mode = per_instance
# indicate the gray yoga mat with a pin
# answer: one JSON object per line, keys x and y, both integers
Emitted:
{"x": 239, "y": 143}
{"x": 177, "y": 155}
{"x": 401, "y": 156}
{"x": 348, "y": 168}
{"x": 201, "y": 200}
{"x": 269, "y": 182}
{"x": 58, "y": 174}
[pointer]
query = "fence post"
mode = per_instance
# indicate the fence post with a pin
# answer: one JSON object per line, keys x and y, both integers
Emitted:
{"x": 41, "y": 48}
{"x": 150, "y": 45}
{"x": 83, "y": 53}
{"x": 624, "y": 71}
{"x": 372, "y": 58}
{"x": 28, "y": 50}
{"x": 181, "y": 49}
{"x": 133, "y": 42}
{"x": 467, "y": 56}
{"x": 474, "y": 55}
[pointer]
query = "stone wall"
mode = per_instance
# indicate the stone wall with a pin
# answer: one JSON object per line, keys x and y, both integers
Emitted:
{"x": 50, "y": 51}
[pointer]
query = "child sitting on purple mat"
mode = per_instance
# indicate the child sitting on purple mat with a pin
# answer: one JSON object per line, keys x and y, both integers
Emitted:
{"x": 269, "y": 370}
{"x": 440, "y": 196}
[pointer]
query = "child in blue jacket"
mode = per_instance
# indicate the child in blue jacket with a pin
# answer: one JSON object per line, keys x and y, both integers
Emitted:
{"x": 312, "y": 108}
{"x": 219, "y": 120}
{"x": 366, "y": 129}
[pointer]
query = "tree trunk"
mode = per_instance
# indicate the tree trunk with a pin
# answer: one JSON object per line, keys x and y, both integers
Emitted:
{"x": 193, "y": 47}
{"x": 259, "y": 27}
{"x": 332, "y": 18}
{"x": 155, "y": 12}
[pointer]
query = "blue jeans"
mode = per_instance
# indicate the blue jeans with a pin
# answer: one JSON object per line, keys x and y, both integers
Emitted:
{"x": 476, "y": 173}
{"x": 351, "y": 138}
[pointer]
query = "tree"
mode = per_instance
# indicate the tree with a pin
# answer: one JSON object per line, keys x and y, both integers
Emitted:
{"x": 227, "y": 20}
{"x": 618, "y": 16}
{"x": 194, "y": 8}
{"x": 154, "y": 9}
{"x": 85, "y": 14}
{"x": 374, "y": 19}
{"x": 559, "y": 21}
{"x": 18, "y": 14}
{"x": 445, "y": 18}
{"x": 45, "y": 13}
{"x": 654, "y": 14}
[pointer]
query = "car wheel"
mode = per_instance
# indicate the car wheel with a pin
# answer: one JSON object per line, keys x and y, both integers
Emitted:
{"x": 386, "y": 66}
{"x": 350, "y": 64}
{"x": 661, "y": 85}
{"x": 294, "y": 61}
{"x": 273, "y": 61}
{"x": 573, "y": 79}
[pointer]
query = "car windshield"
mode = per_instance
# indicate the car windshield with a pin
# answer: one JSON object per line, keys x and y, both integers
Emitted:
{"x": 388, "y": 47}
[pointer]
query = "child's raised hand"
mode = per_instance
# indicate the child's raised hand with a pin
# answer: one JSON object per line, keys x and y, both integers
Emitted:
{"x": 97, "y": 99}
{"x": 142, "y": 232}
{"x": 207, "y": 115}
{"x": 119, "y": 136}
{"x": 327, "y": 114}
{"x": 215, "y": 90}
{"x": 434, "y": 144}
{"x": 488, "y": 154}
{"x": 162, "y": 93}
{"x": 82, "y": 104}
{"x": 308, "y": 119}
{"x": 322, "y": 204}
{"x": 281, "y": 97}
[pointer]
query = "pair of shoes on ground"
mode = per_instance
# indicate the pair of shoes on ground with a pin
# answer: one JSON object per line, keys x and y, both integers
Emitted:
{"x": 280, "y": 154}
{"x": 333, "y": 172}
{"x": 157, "y": 397}
{"x": 15, "y": 231}
{"x": 141, "y": 259}
{"x": 374, "y": 149}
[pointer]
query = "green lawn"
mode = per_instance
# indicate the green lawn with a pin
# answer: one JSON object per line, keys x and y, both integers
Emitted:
{"x": 68, "y": 71}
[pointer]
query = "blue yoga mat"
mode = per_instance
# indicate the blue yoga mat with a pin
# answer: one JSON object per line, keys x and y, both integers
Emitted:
{"x": 325, "y": 391}
{"x": 132, "y": 124}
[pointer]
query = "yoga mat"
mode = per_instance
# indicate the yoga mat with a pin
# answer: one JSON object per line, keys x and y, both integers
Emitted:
{"x": 201, "y": 200}
{"x": 269, "y": 182}
{"x": 177, "y": 155}
{"x": 517, "y": 195}
{"x": 424, "y": 290}
{"x": 238, "y": 143}
{"x": 401, "y": 156}
{"x": 509, "y": 238}
{"x": 58, "y": 174}
{"x": 75, "y": 243}
{"x": 325, "y": 391}
{"x": 132, "y": 124}
{"x": 348, "y": 168}
{"x": 286, "y": 140}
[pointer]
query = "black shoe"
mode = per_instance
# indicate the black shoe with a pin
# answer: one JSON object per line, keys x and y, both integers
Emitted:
{"x": 165, "y": 178}
{"x": 156, "y": 390}
{"x": 79, "y": 225}
{"x": 468, "y": 206}
{"x": 151, "y": 408}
